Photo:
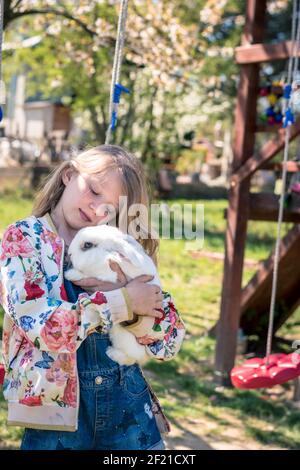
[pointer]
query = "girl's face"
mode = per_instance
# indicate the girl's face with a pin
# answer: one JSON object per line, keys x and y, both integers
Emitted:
{"x": 89, "y": 199}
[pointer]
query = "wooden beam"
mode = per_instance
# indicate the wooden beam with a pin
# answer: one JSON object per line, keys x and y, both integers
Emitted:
{"x": 255, "y": 53}
{"x": 244, "y": 140}
{"x": 292, "y": 166}
{"x": 265, "y": 207}
{"x": 268, "y": 151}
{"x": 266, "y": 269}
{"x": 267, "y": 127}
{"x": 256, "y": 295}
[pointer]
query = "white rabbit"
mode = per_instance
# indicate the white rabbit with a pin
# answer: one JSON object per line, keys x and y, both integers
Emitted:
{"x": 90, "y": 252}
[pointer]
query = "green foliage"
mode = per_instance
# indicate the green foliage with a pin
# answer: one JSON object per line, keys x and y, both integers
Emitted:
{"x": 190, "y": 161}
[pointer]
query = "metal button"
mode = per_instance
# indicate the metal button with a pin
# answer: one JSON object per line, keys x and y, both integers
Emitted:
{"x": 98, "y": 380}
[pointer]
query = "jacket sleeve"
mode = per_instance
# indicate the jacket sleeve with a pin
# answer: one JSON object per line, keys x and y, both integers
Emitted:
{"x": 173, "y": 329}
{"x": 51, "y": 324}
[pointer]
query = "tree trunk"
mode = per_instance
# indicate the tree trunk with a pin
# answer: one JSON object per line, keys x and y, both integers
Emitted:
{"x": 149, "y": 144}
{"x": 98, "y": 128}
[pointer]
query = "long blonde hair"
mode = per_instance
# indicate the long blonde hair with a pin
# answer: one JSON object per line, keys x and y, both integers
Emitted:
{"x": 134, "y": 185}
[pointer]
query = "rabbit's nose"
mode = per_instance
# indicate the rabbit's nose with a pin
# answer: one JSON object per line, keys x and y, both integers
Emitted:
{"x": 69, "y": 264}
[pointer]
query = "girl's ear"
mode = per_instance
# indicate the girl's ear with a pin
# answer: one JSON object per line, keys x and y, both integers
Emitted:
{"x": 67, "y": 175}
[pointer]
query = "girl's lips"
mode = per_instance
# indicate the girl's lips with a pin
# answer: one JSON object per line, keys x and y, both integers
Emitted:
{"x": 84, "y": 216}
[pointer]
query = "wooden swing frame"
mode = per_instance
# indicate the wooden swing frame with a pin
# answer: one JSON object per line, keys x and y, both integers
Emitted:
{"x": 243, "y": 206}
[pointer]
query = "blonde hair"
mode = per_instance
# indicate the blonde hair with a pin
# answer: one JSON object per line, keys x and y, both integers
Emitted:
{"x": 134, "y": 185}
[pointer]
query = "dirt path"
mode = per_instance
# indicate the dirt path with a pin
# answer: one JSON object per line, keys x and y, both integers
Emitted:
{"x": 187, "y": 436}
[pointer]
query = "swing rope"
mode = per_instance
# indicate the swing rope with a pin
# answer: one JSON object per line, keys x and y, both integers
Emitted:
{"x": 288, "y": 120}
{"x": 1, "y": 39}
{"x": 116, "y": 89}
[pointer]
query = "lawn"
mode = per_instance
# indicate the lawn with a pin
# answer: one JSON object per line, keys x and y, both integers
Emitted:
{"x": 202, "y": 415}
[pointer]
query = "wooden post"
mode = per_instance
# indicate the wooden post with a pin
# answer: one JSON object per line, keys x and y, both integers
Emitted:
{"x": 296, "y": 395}
{"x": 245, "y": 123}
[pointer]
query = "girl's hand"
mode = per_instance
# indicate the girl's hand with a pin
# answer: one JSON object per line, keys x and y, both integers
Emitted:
{"x": 92, "y": 284}
{"x": 146, "y": 299}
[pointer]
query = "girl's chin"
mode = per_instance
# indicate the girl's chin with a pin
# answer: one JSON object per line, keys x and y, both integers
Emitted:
{"x": 75, "y": 222}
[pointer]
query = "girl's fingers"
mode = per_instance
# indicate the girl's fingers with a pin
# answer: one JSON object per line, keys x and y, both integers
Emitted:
{"x": 144, "y": 278}
{"x": 155, "y": 313}
{"x": 120, "y": 274}
{"x": 88, "y": 282}
{"x": 94, "y": 284}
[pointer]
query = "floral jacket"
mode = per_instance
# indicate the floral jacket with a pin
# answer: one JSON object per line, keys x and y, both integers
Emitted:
{"x": 42, "y": 330}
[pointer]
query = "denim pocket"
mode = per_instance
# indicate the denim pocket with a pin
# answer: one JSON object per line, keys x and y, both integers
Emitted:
{"x": 134, "y": 383}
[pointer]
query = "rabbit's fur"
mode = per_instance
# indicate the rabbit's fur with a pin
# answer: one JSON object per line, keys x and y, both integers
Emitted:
{"x": 90, "y": 252}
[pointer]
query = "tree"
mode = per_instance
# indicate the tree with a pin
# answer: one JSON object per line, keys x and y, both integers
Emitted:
{"x": 178, "y": 64}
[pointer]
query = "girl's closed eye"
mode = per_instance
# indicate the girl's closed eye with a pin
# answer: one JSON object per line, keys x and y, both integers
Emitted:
{"x": 107, "y": 209}
{"x": 94, "y": 192}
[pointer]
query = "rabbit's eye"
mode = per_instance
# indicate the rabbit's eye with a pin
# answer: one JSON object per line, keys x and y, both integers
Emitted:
{"x": 87, "y": 246}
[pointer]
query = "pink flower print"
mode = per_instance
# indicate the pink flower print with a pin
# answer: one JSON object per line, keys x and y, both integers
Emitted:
{"x": 172, "y": 313}
{"x": 5, "y": 342}
{"x": 55, "y": 242}
{"x": 60, "y": 330}
{"x": 146, "y": 339}
{"x": 57, "y": 376}
{"x": 67, "y": 362}
{"x": 61, "y": 370}
{"x": 33, "y": 276}
{"x": 70, "y": 393}
{"x": 15, "y": 244}
{"x": 172, "y": 319}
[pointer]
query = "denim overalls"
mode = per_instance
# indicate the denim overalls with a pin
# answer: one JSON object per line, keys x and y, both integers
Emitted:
{"x": 115, "y": 405}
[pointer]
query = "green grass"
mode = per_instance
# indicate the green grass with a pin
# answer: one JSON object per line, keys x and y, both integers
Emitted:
{"x": 185, "y": 384}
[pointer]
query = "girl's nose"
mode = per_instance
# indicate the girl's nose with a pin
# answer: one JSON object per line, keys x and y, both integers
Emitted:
{"x": 99, "y": 210}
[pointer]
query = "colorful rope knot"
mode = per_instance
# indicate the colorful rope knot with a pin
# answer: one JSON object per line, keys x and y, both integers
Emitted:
{"x": 118, "y": 90}
{"x": 287, "y": 91}
{"x": 289, "y": 118}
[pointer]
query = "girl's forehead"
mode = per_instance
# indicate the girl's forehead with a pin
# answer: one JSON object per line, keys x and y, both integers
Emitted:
{"x": 104, "y": 177}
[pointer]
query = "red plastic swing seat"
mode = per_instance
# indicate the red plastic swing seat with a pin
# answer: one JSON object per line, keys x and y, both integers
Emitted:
{"x": 256, "y": 373}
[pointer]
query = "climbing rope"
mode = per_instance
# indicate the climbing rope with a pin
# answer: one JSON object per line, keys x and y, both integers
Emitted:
{"x": 287, "y": 122}
{"x": 1, "y": 39}
{"x": 116, "y": 89}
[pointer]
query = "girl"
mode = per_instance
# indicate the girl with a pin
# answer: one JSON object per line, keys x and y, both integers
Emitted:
{"x": 59, "y": 383}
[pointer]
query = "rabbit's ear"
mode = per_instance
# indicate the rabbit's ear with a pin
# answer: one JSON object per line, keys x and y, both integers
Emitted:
{"x": 118, "y": 257}
{"x": 123, "y": 251}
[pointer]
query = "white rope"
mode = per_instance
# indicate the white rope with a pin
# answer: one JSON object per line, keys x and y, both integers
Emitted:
{"x": 117, "y": 61}
{"x": 294, "y": 22}
{"x": 292, "y": 72}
